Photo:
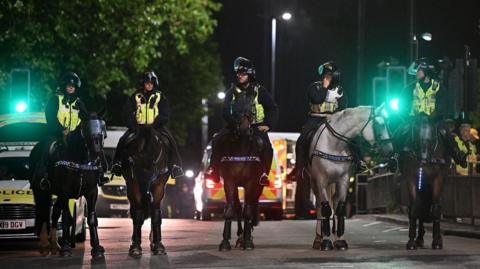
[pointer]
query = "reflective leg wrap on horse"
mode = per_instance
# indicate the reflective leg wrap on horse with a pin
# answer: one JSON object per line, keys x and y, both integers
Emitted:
{"x": 92, "y": 225}
{"x": 66, "y": 225}
{"x": 413, "y": 215}
{"x": 437, "y": 242}
{"x": 249, "y": 217}
{"x": 138, "y": 218}
{"x": 156, "y": 218}
{"x": 326, "y": 213}
{"x": 340, "y": 212}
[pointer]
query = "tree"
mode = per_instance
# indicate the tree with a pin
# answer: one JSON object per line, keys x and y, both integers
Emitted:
{"x": 109, "y": 43}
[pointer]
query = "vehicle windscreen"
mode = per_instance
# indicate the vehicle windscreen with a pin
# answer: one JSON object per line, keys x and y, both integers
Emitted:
{"x": 14, "y": 168}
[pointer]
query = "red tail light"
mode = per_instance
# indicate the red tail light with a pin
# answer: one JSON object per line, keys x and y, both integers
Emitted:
{"x": 210, "y": 184}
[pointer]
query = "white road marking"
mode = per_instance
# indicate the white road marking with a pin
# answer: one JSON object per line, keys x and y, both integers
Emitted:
{"x": 371, "y": 224}
{"x": 391, "y": 229}
{"x": 380, "y": 241}
{"x": 404, "y": 230}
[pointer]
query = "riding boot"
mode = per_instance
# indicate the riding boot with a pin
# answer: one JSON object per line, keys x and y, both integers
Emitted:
{"x": 174, "y": 160}
{"x": 117, "y": 159}
{"x": 300, "y": 154}
{"x": 267, "y": 157}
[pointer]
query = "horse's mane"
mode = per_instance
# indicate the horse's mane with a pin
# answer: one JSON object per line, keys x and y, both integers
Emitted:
{"x": 348, "y": 112}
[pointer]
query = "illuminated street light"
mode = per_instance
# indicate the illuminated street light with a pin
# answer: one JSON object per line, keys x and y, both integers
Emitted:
{"x": 221, "y": 95}
{"x": 286, "y": 16}
{"x": 189, "y": 173}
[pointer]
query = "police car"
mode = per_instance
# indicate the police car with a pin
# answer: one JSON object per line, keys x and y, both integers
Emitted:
{"x": 17, "y": 206}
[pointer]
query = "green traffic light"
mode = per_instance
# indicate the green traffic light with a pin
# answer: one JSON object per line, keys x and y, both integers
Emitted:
{"x": 394, "y": 104}
{"x": 21, "y": 107}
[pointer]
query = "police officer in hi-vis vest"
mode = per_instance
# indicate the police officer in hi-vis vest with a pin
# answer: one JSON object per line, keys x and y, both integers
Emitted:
{"x": 148, "y": 106}
{"x": 63, "y": 113}
{"x": 325, "y": 97}
{"x": 265, "y": 111}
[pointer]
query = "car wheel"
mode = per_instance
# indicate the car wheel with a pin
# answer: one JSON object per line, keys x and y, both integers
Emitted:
{"x": 206, "y": 215}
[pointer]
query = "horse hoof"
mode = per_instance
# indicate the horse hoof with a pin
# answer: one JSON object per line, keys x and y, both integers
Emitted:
{"x": 44, "y": 249}
{"x": 97, "y": 252}
{"x": 341, "y": 245}
{"x": 437, "y": 244}
{"x": 225, "y": 246}
{"x": 411, "y": 245}
{"x": 66, "y": 251}
{"x": 317, "y": 244}
{"x": 420, "y": 243}
{"x": 248, "y": 245}
{"x": 158, "y": 249}
{"x": 239, "y": 243}
{"x": 135, "y": 252}
{"x": 326, "y": 245}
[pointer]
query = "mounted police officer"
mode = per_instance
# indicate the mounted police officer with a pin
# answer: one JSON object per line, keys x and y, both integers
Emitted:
{"x": 325, "y": 98}
{"x": 148, "y": 106}
{"x": 63, "y": 113}
{"x": 265, "y": 111}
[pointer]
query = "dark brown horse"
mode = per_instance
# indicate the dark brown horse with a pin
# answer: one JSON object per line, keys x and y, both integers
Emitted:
{"x": 424, "y": 162}
{"x": 240, "y": 167}
{"x": 74, "y": 169}
{"x": 146, "y": 172}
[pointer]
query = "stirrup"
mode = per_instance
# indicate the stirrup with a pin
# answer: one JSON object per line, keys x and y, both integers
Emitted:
{"x": 264, "y": 180}
{"x": 116, "y": 169}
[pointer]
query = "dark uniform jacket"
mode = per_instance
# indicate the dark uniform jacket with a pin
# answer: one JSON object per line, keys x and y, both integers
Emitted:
{"x": 264, "y": 98}
{"x": 317, "y": 93}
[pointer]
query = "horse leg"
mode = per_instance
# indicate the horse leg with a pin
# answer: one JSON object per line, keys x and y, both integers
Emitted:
{"x": 66, "y": 248}
{"x": 421, "y": 232}
{"x": 413, "y": 215}
{"x": 97, "y": 250}
{"x": 43, "y": 202}
{"x": 56, "y": 213}
{"x": 156, "y": 246}
{"x": 138, "y": 217}
{"x": 341, "y": 212}
{"x": 238, "y": 214}
{"x": 229, "y": 214}
{"x": 253, "y": 190}
{"x": 437, "y": 242}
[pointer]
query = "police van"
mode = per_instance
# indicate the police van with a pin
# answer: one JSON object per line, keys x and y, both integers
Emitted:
{"x": 18, "y": 135}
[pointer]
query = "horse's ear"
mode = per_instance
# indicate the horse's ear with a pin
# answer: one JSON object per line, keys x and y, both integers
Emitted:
{"x": 102, "y": 112}
{"x": 379, "y": 109}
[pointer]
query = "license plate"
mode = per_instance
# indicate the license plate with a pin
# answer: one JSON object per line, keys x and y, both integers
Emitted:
{"x": 12, "y": 224}
{"x": 120, "y": 206}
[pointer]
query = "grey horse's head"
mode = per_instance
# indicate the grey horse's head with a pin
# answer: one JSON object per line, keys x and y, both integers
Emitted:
{"x": 377, "y": 133}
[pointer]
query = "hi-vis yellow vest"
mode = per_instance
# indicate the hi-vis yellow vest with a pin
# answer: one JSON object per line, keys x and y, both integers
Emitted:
{"x": 147, "y": 110}
{"x": 471, "y": 152}
{"x": 424, "y": 101}
{"x": 325, "y": 106}
{"x": 257, "y": 109}
{"x": 68, "y": 114}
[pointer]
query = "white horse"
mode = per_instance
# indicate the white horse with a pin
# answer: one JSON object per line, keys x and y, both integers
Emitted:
{"x": 332, "y": 162}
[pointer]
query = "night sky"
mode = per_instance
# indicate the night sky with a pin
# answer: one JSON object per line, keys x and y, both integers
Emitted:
{"x": 327, "y": 30}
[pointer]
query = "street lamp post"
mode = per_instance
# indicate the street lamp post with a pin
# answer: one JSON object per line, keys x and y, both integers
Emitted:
{"x": 286, "y": 16}
{"x": 204, "y": 120}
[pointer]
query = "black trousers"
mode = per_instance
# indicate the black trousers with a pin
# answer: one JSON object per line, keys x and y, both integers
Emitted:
{"x": 303, "y": 141}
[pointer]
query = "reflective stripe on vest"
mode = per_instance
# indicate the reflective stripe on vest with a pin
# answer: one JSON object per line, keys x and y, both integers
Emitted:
{"x": 257, "y": 109}
{"x": 147, "y": 113}
{"x": 424, "y": 101}
{"x": 323, "y": 107}
{"x": 68, "y": 114}
{"x": 471, "y": 152}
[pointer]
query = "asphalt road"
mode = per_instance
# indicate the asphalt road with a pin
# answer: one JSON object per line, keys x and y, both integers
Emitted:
{"x": 279, "y": 244}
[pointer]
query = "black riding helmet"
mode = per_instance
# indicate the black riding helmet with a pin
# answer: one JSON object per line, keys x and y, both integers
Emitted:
{"x": 244, "y": 65}
{"x": 424, "y": 65}
{"x": 71, "y": 79}
{"x": 329, "y": 68}
{"x": 150, "y": 76}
